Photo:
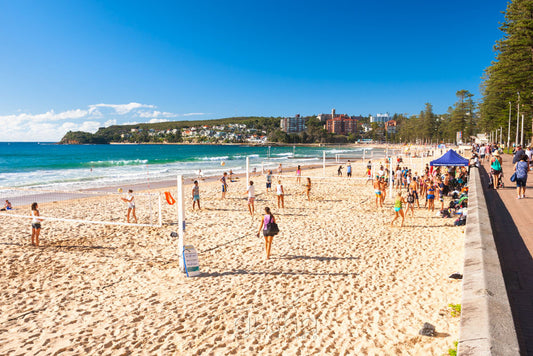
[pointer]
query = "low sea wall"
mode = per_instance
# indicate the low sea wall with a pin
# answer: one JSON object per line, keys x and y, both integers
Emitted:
{"x": 487, "y": 326}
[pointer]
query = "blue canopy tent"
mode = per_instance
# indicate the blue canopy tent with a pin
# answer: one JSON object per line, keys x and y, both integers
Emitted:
{"x": 450, "y": 158}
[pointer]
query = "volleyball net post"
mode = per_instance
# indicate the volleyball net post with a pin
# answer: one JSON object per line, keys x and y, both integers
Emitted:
{"x": 324, "y": 163}
{"x": 247, "y": 169}
{"x": 181, "y": 221}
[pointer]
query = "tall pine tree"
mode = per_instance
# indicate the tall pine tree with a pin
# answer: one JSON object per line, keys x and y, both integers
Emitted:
{"x": 511, "y": 72}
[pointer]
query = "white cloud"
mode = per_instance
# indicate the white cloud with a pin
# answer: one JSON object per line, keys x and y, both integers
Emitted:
{"x": 51, "y": 125}
{"x": 194, "y": 114}
{"x": 121, "y": 109}
{"x": 154, "y": 121}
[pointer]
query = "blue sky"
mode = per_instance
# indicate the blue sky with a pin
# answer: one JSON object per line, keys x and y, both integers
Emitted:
{"x": 68, "y": 65}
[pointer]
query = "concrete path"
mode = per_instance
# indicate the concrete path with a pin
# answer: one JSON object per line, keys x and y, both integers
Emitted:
{"x": 512, "y": 224}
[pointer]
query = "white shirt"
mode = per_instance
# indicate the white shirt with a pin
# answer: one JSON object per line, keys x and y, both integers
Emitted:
{"x": 279, "y": 189}
{"x": 251, "y": 191}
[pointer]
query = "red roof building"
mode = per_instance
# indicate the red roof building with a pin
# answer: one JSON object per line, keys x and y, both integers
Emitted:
{"x": 341, "y": 125}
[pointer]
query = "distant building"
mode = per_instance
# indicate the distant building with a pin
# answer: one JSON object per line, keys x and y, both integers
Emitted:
{"x": 293, "y": 124}
{"x": 380, "y": 118}
{"x": 390, "y": 126}
{"x": 341, "y": 125}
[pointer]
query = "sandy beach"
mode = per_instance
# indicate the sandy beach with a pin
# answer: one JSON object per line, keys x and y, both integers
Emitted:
{"x": 340, "y": 280}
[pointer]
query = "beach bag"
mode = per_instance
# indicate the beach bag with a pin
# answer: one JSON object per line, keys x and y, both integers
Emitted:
{"x": 513, "y": 177}
{"x": 271, "y": 228}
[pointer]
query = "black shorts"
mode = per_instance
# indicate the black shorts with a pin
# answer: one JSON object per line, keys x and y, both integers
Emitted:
{"x": 269, "y": 185}
{"x": 36, "y": 225}
{"x": 349, "y": 174}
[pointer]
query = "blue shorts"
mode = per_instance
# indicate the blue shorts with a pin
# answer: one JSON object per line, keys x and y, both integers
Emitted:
{"x": 521, "y": 182}
{"x": 196, "y": 198}
{"x": 224, "y": 188}
{"x": 397, "y": 209}
{"x": 269, "y": 185}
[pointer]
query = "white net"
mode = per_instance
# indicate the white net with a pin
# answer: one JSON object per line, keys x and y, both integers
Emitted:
{"x": 94, "y": 207}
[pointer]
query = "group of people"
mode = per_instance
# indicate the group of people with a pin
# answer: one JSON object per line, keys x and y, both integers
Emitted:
{"x": 434, "y": 183}
{"x": 522, "y": 161}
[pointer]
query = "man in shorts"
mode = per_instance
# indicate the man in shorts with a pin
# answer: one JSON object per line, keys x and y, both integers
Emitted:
{"x": 224, "y": 182}
{"x": 269, "y": 181}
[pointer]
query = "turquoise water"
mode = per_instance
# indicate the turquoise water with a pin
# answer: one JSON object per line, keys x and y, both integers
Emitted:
{"x": 48, "y": 165}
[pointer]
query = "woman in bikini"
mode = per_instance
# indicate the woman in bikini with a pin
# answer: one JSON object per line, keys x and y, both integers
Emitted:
{"x": 398, "y": 209}
{"x": 431, "y": 196}
{"x": 308, "y": 188}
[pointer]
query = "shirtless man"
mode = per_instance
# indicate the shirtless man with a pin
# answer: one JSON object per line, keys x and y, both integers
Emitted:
{"x": 383, "y": 184}
{"x": 413, "y": 186}
{"x": 377, "y": 192}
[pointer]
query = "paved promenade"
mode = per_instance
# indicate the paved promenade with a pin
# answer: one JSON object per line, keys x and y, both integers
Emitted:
{"x": 512, "y": 224}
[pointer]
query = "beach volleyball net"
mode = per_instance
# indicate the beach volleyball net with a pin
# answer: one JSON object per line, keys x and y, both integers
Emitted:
{"x": 90, "y": 207}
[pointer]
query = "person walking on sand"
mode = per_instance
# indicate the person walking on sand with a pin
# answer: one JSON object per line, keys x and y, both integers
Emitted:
{"x": 298, "y": 175}
{"x": 35, "y": 224}
{"x": 130, "y": 199}
{"x": 280, "y": 170}
{"x": 377, "y": 192}
{"x": 196, "y": 195}
{"x": 521, "y": 169}
{"x": 224, "y": 182}
{"x": 414, "y": 186}
{"x": 251, "y": 198}
{"x": 339, "y": 171}
{"x": 263, "y": 227}
{"x": 431, "y": 196}
{"x": 349, "y": 170}
{"x": 398, "y": 209}
{"x": 411, "y": 202}
{"x": 269, "y": 181}
{"x": 308, "y": 189}
{"x": 280, "y": 194}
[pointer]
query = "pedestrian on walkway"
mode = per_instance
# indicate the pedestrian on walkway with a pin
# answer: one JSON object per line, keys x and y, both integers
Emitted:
{"x": 521, "y": 169}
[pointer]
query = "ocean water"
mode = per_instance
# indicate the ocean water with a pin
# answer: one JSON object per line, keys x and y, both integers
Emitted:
{"x": 73, "y": 167}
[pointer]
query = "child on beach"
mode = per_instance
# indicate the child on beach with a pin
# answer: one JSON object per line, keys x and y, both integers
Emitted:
{"x": 7, "y": 206}
{"x": 308, "y": 188}
{"x": 398, "y": 209}
{"x": 269, "y": 181}
{"x": 280, "y": 170}
{"x": 349, "y": 169}
{"x": 196, "y": 195}
{"x": 280, "y": 194}
{"x": 131, "y": 205}
{"x": 298, "y": 175}
{"x": 251, "y": 198}
{"x": 339, "y": 171}
{"x": 35, "y": 224}
{"x": 265, "y": 220}
{"x": 224, "y": 182}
